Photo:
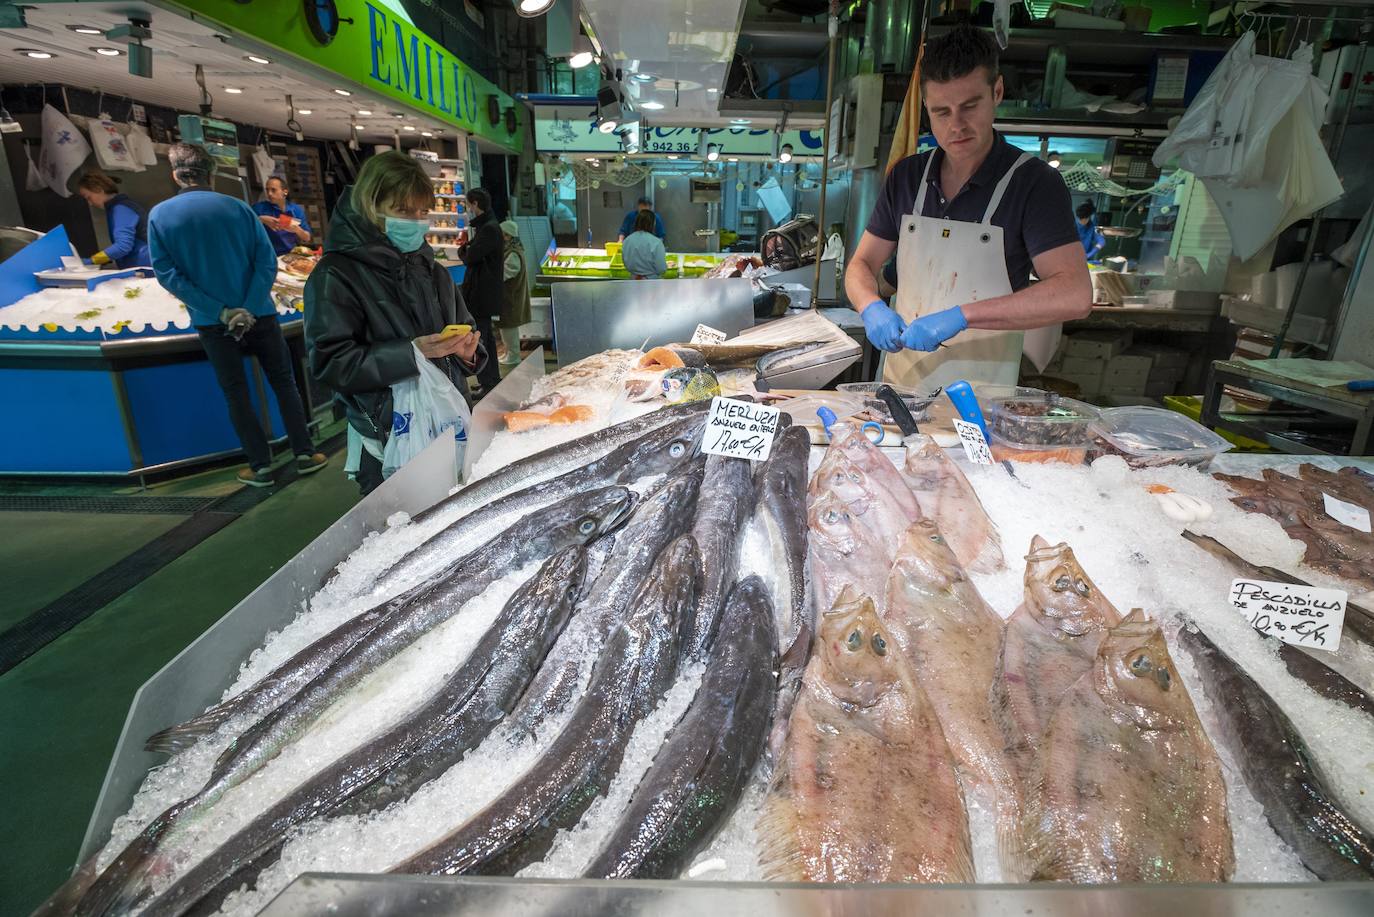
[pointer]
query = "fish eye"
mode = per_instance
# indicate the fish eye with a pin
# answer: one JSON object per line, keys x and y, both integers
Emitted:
{"x": 1080, "y": 586}
{"x": 937, "y": 538}
{"x": 855, "y": 641}
{"x": 1141, "y": 665}
{"x": 586, "y": 526}
{"x": 831, "y": 517}
{"x": 879, "y": 645}
{"x": 1062, "y": 584}
{"x": 854, "y": 476}
{"x": 1162, "y": 676}
{"x": 676, "y": 450}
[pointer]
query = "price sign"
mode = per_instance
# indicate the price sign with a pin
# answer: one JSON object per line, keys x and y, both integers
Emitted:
{"x": 705, "y": 334}
{"x": 975, "y": 445}
{"x": 1301, "y": 615}
{"x": 1357, "y": 517}
{"x": 739, "y": 429}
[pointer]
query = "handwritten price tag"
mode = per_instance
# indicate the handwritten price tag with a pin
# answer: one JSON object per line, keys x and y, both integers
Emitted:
{"x": 971, "y": 438}
{"x": 1357, "y": 517}
{"x": 739, "y": 429}
{"x": 1301, "y": 615}
{"x": 705, "y": 334}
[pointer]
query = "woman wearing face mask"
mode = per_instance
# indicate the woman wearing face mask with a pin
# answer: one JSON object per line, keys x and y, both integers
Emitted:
{"x": 376, "y": 291}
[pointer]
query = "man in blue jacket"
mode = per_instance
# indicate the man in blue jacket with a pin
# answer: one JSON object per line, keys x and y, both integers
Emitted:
{"x": 627, "y": 225}
{"x": 210, "y": 251}
{"x": 286, "y": 224}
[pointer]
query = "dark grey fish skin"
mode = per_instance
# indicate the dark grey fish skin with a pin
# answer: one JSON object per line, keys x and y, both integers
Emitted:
{"x": 577, "y": 520}
{"x": 782, "y": 511}
{"x": 558, "y": 459}
{"x": 636, "y": 666}
{"x": 727, "y": 497}
{"x": 1278, "y": 769}
{"x": 657, "y": 520}
{"x": 698, "y": 774}
{"x": 472, "y": 701}
{"x": 664, "y": 450}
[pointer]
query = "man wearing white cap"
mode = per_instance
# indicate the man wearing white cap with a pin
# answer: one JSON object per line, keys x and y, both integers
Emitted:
{"x": 515, "y": 293}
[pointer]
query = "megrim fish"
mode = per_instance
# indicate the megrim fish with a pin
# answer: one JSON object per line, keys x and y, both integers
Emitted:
{"x": 419, "y": 748}
{"x": 842, "y": 551}
{"x": 865, "y": 789}
{"x": 697, "y": 776}
{"x": 952, "y": 638}
{"x": 1047, "y": 645}
{"x": 1127, "y": 786}
{"x": 635, "y": 668}
{"x": 1279, "y": 770}
{"x": 854, "y": 470}
{"x": 946, "y": 496}
{"x": 577, "y": 520}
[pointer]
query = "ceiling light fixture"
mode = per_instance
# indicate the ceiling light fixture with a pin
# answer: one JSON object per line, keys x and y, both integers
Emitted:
{"x": 740, "y": 121}
{"x": 643, "y": 77}
{"x": 651, "y": 106}
{"x": 257, "y": 60}
{"x": 672, "y": 156}
{"x": 407, "y": 127}
{"x": 733, "y": 159}
{"x": 785, "y": 154}
{"x": 532, "y": 8}
{"x": 1054, "y": 160}
{"x": 107, "y": 52}
{"x": 304, "y": 111}
{"x": 712, "y": 152}
{"x": 342, "y": 92}
{"x": 86, "y": 30}
{"x": 364, "y": 112}
{"x": 582, "y": 53}
{"x": 34, "y": 53}
{"x": 426, "y": 133}
{"x": 607, "y": 126}
{"x": 233, "y": 90}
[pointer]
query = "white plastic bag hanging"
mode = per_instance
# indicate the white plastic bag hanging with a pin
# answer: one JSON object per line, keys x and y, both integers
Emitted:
{"x": 264, "y": 164}
{"x": 64, "y": 150}
{"x": 141, "y": 145}
{"x": 111, "y": 149}
{"x": 35, "y": 180}
{"x": 423, "y": 408}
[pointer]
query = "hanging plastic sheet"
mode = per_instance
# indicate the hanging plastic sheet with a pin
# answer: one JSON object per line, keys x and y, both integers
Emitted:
{"x": 64, "y": 149}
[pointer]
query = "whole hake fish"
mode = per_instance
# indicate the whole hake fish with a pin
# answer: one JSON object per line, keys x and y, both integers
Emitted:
{"x": 727, "y": 495}
{"x": 780, "y": 516}
{"x": 1279, "y": 770}
{"x": 697, "y": 776}
{"x": 636, "y": 666}
{"x": 423, "y": 745}
{"x": 946, "y": 496}
{"x": 558, "y": 459}
{"x": 865, "y": 789}
{"x": 952, "y": 638}
{"x": 1047, "y": 645}
{"x": 1127, "y": 786}
{"x": 577, "y": 520}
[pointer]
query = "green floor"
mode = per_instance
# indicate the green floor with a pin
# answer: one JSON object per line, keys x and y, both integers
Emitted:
{"x": 62, "y": 709}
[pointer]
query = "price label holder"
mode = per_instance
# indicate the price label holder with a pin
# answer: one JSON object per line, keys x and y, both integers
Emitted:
{"x": 1306, "y": 616}
{"x": 740, "y": 429}
{"x": 974, "y": 443}
{"x": 1357, "y": 517}
{"x": 705, "y": 334}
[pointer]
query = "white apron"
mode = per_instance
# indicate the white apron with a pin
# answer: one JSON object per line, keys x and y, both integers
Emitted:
{"x": 944, "y": 263}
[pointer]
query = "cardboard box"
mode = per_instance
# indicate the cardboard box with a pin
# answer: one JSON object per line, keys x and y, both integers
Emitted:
{"x": 1130, "y": 364}
{"x": 1099, "y": 345}
{"x": 1081, "y": 366}
{"x": 1126, "y": 375}
{"x": 1161, "y": 356}
{"x": 1088, "y": 384}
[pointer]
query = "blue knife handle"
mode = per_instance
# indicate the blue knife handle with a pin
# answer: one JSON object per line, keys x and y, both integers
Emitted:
{"x": 966, "y": 403}
{"x": 1362, "y": 385}
{"x": 827, "y": 417}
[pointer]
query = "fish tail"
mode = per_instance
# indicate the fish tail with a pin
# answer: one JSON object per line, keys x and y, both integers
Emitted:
{"x": 125, "y": 882}
{"x": 780, "y": 856}
{"x": 178, "y": 738}
{"x": 69, "y": 893}
{"x": 990, "y": 559}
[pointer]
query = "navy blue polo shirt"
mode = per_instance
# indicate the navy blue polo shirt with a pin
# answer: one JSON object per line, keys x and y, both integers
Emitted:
{"x": 1035, "y": 215}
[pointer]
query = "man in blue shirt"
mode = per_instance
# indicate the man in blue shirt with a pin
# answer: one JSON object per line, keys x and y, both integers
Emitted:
{"x": 286, "y": 224}
{"x": 627, "y": 225}
{"x": 210, "y": 251}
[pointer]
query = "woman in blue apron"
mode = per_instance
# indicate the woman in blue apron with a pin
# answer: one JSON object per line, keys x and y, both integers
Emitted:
{"x": 125, "y": 218}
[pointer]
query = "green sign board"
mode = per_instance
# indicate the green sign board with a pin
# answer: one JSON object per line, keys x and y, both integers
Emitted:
{"x": 380, "y": 50}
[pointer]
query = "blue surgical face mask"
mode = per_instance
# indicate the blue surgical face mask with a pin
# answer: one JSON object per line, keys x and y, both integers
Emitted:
{"x": 407, "y": 235}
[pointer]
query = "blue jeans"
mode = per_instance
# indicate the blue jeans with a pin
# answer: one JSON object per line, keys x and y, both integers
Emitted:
{"x": 264, "y": 341}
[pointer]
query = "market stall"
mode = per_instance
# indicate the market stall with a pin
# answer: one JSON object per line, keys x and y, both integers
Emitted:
{"x": 878, "y": 549}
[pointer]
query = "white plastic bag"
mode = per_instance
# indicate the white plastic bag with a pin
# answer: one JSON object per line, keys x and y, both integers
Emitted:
{"x": 423, "y": 408}
{"x": 112, "y": 151}
{"x": 35, "y": 180}
{"x": 141, "y": 145}
{"x": 64, "y": 149}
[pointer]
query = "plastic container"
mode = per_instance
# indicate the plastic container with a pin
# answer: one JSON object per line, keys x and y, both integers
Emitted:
{"x": 918, "y": 404}
{"x": 1040, "y": 421}
{"x": 1148, "y": 437}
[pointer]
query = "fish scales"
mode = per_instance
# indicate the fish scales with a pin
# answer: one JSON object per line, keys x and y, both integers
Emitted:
{"x": 1127, "y": 786}
{"x": 781, "y": 513}
{"x": 945, "y": 495}
{"x": 726, "y": 496}
{"x": 865, "y": 790}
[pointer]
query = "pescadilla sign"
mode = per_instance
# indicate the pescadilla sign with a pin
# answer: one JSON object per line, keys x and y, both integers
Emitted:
{"x": 380, "y": 51}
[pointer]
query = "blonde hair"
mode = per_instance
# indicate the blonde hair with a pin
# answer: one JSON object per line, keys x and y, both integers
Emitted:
{"x": 388, "y": 179}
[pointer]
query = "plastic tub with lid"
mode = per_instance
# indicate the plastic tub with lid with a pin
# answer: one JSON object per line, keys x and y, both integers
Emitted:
{"x": 1034, "y": 426}
{"x": 1146, "y": 436}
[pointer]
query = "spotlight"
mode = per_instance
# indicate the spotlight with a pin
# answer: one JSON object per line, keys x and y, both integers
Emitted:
{"x": 257, "y": 60}
{"x": 233, "y": 90}
{"x": 364, "y": 112}
{"x": 107, "y": 52}
{"x": 712, "y": 152}
{"x": 35, "y": 53}
{"x": 607, "y": 126}
{"x": 785, "y": 154}
{"x": 86, "y": 30}
{"x": 304, "y": 111}
{"x": 342, "y": 92}
{"x": 532, "y": 8}
{"x": 1054, "y": 160}
{"x": 610, "y": 106}
{"x": 582, "y": 54}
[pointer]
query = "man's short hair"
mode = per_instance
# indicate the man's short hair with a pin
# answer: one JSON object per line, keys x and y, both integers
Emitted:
{"x": 481, "y": 198}
{"x": 275, "y": 178}
{"x": 1085, "y": 210}
{"x": 191, "y": 163}
{"x": 958, "y": 53}
{"x": 644, "y": 202}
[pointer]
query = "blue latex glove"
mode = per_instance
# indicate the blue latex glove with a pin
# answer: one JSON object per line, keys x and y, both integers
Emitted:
{"x": 930, "y": 331}
{"x": 883, "y": 326}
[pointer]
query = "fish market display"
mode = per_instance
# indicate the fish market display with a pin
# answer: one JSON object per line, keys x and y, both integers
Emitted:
{"x": 952, "y": 637}
{"x": 946, "y": 496}
{"x": 1127, "y": 787}
{"x": 781, "y": 515}
{"x": 1279, "y": 770}
{"x": 1048, "y": 644}
{"x": 865, "y": 790}
{"x": 112, "y": 305}
{"x": 635, "y": 668}
{"x": 727, "y": 495}
{"x": 388, "y": 768}
{"x": 578, "y": 520}
{"x": 698, "y": 774}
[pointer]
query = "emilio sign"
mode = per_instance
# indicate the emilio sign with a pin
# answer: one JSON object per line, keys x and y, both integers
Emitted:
{"x": 561, "y": 135}
{"x": 381, "y": 51}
